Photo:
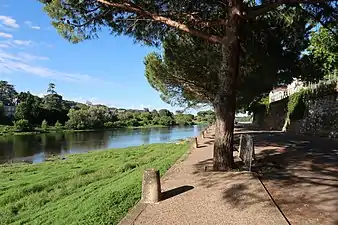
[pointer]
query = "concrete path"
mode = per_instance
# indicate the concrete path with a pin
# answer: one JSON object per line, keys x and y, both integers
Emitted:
{"x": 301, "y": 174}
{"x": 196, "y": 196}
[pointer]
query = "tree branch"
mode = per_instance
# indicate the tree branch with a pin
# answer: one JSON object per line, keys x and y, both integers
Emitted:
{"x": 90, "y": 20}
{"x": 318, "y": 20}
{"x": 261, "y": 9}
{"x": 130, "y": 7}
{"x": 273, "y": 4}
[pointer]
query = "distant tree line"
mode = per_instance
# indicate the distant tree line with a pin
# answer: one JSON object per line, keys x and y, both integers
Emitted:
{"x": 52, "y": 111}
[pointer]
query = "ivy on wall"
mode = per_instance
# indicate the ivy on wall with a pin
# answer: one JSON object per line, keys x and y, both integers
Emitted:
{"x": 296, "y": 105}
{"x": 297, "y": 101}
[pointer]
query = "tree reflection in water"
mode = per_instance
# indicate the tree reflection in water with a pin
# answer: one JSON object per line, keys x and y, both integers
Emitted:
{"x": 35, "y": 148}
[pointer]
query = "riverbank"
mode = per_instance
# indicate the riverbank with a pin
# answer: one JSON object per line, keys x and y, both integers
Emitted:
{"x": 11, "y": 130}
{"x": 94, "y": 188}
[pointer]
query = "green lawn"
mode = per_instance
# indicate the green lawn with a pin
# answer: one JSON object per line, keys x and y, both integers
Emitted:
{"x": 93, "y": 188}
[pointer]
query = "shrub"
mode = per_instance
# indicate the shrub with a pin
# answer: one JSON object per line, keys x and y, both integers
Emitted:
{"x": 44, "y": 125}
{"x": 58, "y": 125}
{"x": 109, "y": 124}
{"x": 296, "y": 105}
{"x": 119, "y": 124}
{"x": 22, "y": 125}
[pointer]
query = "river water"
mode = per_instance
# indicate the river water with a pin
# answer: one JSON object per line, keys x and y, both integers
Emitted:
{"x": 36, "y": 148}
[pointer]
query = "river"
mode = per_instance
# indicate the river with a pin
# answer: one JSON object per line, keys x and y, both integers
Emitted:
{"x": 36, "y": 148}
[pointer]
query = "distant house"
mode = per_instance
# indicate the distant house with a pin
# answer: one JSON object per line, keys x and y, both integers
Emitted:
{"x": 9, "y": 107}
{"x": 9, "y": 110}
{"x": 277, "y": 94}
{"x": 121, "y": 110}
{"x": 285, "y": 91}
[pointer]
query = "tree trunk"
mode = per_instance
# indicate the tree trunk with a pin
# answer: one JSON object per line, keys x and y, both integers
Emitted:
{"x": 225, "y": 101}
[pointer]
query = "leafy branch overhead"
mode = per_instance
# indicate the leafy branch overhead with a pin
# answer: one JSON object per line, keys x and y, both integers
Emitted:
{"x": 186, "y": 81}
{"x": 149, "y": 21}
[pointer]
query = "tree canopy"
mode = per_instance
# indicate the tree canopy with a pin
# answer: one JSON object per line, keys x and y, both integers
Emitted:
{"x": 149, "y": 21}
{"x": 324, "y": 47}
{"x": 7, "y": 92}
{"x": 42, "y": 112}
{"x": 187, "y": 81}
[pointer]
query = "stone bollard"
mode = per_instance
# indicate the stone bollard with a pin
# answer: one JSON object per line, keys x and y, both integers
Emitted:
{"x": 196, "y": 143}
{"x": 151, "y": 186}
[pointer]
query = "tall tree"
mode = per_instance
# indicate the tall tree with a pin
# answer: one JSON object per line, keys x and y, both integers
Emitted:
{"x": 29, "y": 108}
{"x": 55, "y": 107}
{"x": 7, "y": 92}
{"x": 52, "y": 101}
{"x": 324, "y": 46}
{"x": 219, "y": 22}
{"x": 51, "y": 88}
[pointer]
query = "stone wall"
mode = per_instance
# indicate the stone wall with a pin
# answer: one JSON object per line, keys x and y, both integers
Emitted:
{"x": 320, "y": 116}
{"x": 272, "y": 118}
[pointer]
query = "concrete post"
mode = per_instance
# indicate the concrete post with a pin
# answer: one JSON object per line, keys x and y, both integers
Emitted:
{"x": 196, "y": 143}
{"x": 151, "y": 186}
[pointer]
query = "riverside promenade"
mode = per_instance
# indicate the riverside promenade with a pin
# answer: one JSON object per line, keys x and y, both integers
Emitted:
{"x": 194, "y": 195}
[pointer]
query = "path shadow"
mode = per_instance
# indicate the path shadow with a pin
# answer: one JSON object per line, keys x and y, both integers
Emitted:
{"x": 202, "y": 146}
{"x": 176, "y": 191}
{"x": 208, "y": 142}
{"x": 240, "y": 196}
{"x": 300, "y": 173}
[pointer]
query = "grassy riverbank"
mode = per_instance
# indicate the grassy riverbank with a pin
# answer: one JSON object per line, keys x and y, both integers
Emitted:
{"x": 94, "y": 188}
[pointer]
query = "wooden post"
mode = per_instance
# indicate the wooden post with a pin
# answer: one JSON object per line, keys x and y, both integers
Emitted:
{"x": 203, "y": 134}
{"x": 151, "y": 186}
{"x": 196, "y": 143}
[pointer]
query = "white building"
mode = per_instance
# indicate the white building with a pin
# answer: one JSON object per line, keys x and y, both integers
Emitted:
{"x": 9, "y": 110}
{"x": 284, "y": 92}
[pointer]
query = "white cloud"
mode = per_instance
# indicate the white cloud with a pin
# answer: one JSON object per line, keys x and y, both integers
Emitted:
{"x": 24, "y": 63}
{"x": 22, "y": 42}
{"x": 13, "y": 65}
{"x": 41, "y": 95}
{"x": 30, "y": 25}
{"x": 5, "y": 35}
{"x": 8, "y": 21}
{"x": 28, "y": 57}
{"x": 93, "y": 100}
{"x": 16, "y": 44}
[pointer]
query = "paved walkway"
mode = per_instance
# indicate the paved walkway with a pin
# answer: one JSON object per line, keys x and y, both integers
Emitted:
{"x": 301, "y": 174}
{"x": 196, "y": 196}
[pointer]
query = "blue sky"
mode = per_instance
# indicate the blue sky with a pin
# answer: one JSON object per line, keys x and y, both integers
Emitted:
{"x": 108, "y": 70}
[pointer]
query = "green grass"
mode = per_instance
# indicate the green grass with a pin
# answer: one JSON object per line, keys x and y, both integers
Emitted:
{"x": 93, "y": 188}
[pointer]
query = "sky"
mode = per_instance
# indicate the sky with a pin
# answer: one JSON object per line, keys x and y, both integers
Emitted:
{"x": 108, "y": 70}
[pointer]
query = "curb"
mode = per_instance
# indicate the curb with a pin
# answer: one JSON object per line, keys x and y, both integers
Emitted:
{"x": 271, "y": 198}
{"x": 139, "y": 207}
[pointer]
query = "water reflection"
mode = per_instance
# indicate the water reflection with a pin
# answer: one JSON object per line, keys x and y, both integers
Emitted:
{"x": 35, "y": 148}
